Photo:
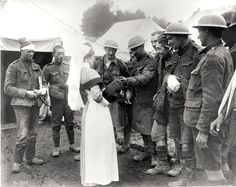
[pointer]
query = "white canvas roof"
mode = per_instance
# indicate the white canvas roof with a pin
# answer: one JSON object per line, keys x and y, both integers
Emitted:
{"x": 42, "y": 45}
{"x": 123, "y": 31}
{"x": 28, "y": 19}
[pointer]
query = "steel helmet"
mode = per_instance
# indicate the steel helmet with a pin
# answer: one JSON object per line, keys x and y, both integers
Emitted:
{"x": 111, "y": 43}
{"x": 211, "y": 20}
{"x": 135, "y": 42}
{"x": 227, "y": 16}
{"x": 233, "y": 19}
{"x": 177, "y": 28}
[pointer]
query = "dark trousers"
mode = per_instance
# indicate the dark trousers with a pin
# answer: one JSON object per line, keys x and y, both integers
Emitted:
{"x": 27, "y": 121}
{"x": 149, "y": 145}
{"x": 209, "y": 158}
{"x": 126, "y": 118}
{"x": 59, "y": 109}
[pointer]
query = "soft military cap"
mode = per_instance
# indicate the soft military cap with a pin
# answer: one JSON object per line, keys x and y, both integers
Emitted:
{"x": 25, "y": 44}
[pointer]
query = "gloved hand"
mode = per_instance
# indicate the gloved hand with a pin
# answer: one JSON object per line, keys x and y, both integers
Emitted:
{"x": 31, "y": 94}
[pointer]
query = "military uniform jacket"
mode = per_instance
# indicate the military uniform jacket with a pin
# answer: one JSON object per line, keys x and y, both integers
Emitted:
{"x": 144, "y": 80}
{"x": 182, "y": 59}
{"x": 20, "y": 77}
{"x": 56, "y": 75}
{"x": 207, "y": 85}
{"x": 161, "y": 65}
{"x": 108, "y": 74}
{"x": 233, "y": 54}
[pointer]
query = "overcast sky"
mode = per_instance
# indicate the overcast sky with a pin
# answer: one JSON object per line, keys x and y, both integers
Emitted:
{"x": 173, "y": 10}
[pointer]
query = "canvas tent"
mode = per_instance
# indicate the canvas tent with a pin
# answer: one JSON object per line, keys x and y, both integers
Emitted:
{"x": 123, "y": 31}
{"x": 43, "y": 45}
{"x": 28, "y": 19}
{"x": 191, "y": 21}
{"x": 9, "y": 51}
{"x": 37, "y": 22}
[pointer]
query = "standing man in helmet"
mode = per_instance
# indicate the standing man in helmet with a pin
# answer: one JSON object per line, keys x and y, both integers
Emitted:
{"x": 221, "y": 121}
{"x": 161, "y": 118}
{"x": 110, "y": 68}
{"x": 154, "y": 37}
{"x": 207, "y": 85}
{"x": 229, "y": 34}
{"x": 175, "y": 86}
{"x": 144, "y": 82}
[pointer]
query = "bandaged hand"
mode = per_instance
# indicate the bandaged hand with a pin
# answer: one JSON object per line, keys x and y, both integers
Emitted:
{"x": 172, "y": 83}
{"x": 41, "y": 91}
{"x": 31, "y": 95}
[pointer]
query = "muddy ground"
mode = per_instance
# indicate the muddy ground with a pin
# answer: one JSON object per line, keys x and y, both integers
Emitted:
{"x": 64, "y": 171}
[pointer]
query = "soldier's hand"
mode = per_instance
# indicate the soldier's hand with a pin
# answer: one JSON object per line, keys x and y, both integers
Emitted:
{"x": 216, "y": 125}
{"x": 31, "y": 94}
{"x": 40, "y": 92}
{"x": 123, "y": 79}
{"x": 202, "y": 139}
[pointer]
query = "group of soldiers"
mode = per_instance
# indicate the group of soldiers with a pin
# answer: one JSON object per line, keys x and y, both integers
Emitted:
{"x": 174, "y": 91}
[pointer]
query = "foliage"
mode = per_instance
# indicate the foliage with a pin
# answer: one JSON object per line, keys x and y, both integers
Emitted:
{"x": 99, "y": 18}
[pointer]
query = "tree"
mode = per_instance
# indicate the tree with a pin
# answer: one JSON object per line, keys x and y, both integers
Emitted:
{"x": 139, "y": 14}
{"x": 97, "y": 19}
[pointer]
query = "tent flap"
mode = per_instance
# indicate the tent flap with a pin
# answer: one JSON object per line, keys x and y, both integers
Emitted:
{"x": 43, "y": 45}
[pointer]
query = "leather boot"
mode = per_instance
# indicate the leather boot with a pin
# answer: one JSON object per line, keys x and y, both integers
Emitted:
{"x": 161, "y": 168}
{"x": 141, "y": 156}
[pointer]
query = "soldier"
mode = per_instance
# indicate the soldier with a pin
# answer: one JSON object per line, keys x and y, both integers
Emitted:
{"x": 144, "y": 82}
{"x": 159, "y": 129}
{"x": 110, "y": 68}
{"x": 56, "y": 74}
{"x": 206, "y": 88}
{"x": 24, "y": 82}
{"x": 154, "y": 37}
{"x": 229, "y": 148}
{"x": 229, "y": 34}
{"x": 227, "y": 109}
{"x": 173, "y": 92}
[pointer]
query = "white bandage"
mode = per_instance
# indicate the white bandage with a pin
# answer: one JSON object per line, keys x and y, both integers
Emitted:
{"x": 28, "y": 47}
{"x": 173, "y": 83}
